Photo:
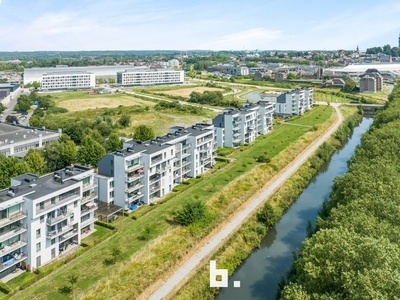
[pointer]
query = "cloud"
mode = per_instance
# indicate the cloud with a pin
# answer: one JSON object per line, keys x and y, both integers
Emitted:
{"x": 250, "y": 39}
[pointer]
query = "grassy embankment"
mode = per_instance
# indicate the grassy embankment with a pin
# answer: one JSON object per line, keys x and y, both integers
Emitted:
{"x": 249, "y": 236}
{"x": 80, "y": 105}
{"x": 152, "y": 245}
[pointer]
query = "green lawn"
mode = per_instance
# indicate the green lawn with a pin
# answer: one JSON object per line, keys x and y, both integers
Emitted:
{"x": 127, "y": 276}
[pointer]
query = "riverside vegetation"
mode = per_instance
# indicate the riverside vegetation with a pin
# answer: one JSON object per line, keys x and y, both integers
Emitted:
{"x": 249, "y": 236}
{"x": 152, "y": 245}
{"x": 354, "y": 251}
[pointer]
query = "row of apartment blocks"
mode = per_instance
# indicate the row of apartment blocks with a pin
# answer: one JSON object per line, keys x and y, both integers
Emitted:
{"x": 41, "y": 216}
{"x": 145, "y": 172}
{"x": 70, "y": 80}
{"x": 294, "y": 102}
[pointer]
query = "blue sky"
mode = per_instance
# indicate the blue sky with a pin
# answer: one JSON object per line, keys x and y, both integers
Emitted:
{"x": 32, "y": 25}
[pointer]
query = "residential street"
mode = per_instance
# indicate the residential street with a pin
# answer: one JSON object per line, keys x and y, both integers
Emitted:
{"x": 181, "y": 275}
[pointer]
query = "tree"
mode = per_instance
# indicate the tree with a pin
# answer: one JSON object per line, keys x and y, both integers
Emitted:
{"x": 2, "y": 107}
{"x": 68, "y": 152}
{"x": 143, "y": 133}
{"x": 35, "y": 161}
{"x": 90, "y": 152}
{"x": 23, "y": 103}
{"x": 292, "y": 76}
{"x": 125, "y": 120}
{"x": 113, "y": 143}
{"x": 349, "y": 86}
{"x": 191, "y": 212}
{"x": 52, "y": 156}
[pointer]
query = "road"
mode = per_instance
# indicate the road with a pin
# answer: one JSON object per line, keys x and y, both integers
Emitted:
{"x": 12, "y": 103}
{"x": 183, "y": 273}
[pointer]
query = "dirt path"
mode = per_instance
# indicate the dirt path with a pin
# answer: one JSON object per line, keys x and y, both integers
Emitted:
{"x": 173, "y": 280}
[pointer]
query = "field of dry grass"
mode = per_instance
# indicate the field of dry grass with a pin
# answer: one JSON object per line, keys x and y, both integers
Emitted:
{"x": 186, "y": 92}
{"x": 101, "y": 101}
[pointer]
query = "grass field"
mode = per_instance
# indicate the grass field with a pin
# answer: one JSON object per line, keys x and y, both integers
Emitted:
{"x": 186, "y": 92}
{"x": 144, "y": 260}
{"x": 78, "y": 101}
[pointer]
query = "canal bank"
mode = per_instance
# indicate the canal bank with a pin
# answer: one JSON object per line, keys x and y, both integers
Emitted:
{"x": 261, "y": 272}
{"x": 248, "y": 237}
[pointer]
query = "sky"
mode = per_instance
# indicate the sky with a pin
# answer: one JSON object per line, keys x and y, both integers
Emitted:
{"x": 74, "y": 25}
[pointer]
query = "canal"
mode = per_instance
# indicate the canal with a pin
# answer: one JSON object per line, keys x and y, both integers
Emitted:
{"x": 260, "y": 273}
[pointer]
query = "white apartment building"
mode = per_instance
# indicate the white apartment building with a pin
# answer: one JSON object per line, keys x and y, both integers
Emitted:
{"x": 40, "y": 217}
{"x": 146, "y": 171}
{"x": 242, "y": 126}
{"x": 16, "y": 140}
{"x": 294, "y": 103}
{"x": 150, "y": 77}
{"x": 68, "y": 80}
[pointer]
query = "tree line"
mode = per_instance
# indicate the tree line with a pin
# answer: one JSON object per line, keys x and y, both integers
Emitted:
{"x": 387, "y": 49}
{"x": 354, "y": 251}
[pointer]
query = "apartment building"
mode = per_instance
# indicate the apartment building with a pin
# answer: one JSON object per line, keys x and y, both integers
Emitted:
{"x": 16, "y": 140}
{"x": 371, "y": 81}
{"x": 150, "y": 77}
{"x": 294, "y": 103}
{"x": 68, "y": 80}
{"x": 40, "y": 217}
{"x": 242, "y": 126}
{"x": 146, "y": 171}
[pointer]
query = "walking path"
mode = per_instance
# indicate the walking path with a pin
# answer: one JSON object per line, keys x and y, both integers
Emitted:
{"x": 182, "y": 274}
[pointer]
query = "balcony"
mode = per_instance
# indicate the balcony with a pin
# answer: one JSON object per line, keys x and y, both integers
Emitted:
{"x": 134, "y": 177}
{"x": 12, "y": 262}
{"x": 134, "y": 197}
{"x": 176, "y": 175}
{"x": 9, "y": 234}
{"x": 12, "y": 247}
{"x": 89, "y": 221}
{"x": 187, "y": 146}
{"x": 156, "y": 160}
{"x": 69, "y": 234}
{"x": 185, "y": 154}
{"x": 52, "y": 221}
{"x": 89, "y": 198}
{"x": 15, "y": 217}
{"x": 89, "y": 208}
{"x": 62, "y": 201}
{"x": 155, "y": 179}
{"x": 133, "y": 167}
{"x": 155, "y": 189}
{"x": 185, "y": 163}
{"x": 134, "y": 187}
{"x": 54, "y": 233}
{"x": 89, "y": 186}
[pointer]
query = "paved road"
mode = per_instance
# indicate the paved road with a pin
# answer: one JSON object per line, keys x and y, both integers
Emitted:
{"x": 182, "y": 274}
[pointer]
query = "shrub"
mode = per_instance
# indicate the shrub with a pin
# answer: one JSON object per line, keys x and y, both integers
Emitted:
{"x": 263, "y": 159}
{"x": 106, "y": 225}
{"x": 4, "y": 288}
{"x": 191, "y": 212}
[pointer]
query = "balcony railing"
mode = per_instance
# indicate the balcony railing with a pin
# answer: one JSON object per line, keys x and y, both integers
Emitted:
{"x": 134, "y": 177}
{"x": 89, "y": 209}
{"x": 185, "y": 163}
{"x": 89, "y": 221}
{"x": 51, "y": 206}
{"x": 89, "y": 186}
{"x": 155, "y": 179}
{"x": 185, "y": 146}
{"x": 12, "y": 262}
{"x": 134, "y": 188}
{"x": 58, "y": 219}
{"x": 9, "y": 234}
{"x": 69, "y": 234}
{"x": 15, "y": 217}
{"x": 133, "y": 167}
{"x": 91, "y": 197}
{"x": 156, "y": 160}
{"x": 155, "y": 188}
{"x": 54, "y": 233}
{"x": 12, "y": 247}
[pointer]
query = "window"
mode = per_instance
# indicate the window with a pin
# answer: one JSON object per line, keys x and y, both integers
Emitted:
{"x": 172, "y": 152}
{"x": 38, "y": 247}
{"x": 111, "y": 184}
{"x": 41, "y": 219}
{"x": 41, "y": 205}
{"x": 38, "y": 233}
{"x": 112, "y": 194}
{"x": 53, "y": 200}
{"x": 75, "y": 203}
{"x": 53, "y": 241}
{"x": 71, "y": 219}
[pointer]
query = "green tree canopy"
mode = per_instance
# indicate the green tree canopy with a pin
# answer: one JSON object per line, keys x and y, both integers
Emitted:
{"x": 90, "y": 152}
{"x": 143, "y": 133}
{"x": 125, "y": 120}
{"x": 113, "y": 143}
{"x": 191, "y": 212}
{"x": 35, "y": 161}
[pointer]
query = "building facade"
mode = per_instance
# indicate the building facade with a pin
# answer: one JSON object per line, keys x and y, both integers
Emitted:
{"x": 146, "y": 171}
{"x": 150, "y": 77}
{"x": 242, "y": 126}
{"x": 294, "y": 103}
{"x": 40, "y": 217}
{"x": 371, "y": 81}
{"x": 16, "y": 140}
{"x": 68, "y": 80}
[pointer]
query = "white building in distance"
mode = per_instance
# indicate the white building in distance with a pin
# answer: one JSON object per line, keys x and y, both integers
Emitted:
{"x": 294, "y": 103}
{"x": 150, "y": 77}
{"x": 40, "y": 217}
{"x": 242, "y": 126}
{"x": 68, "y": 81}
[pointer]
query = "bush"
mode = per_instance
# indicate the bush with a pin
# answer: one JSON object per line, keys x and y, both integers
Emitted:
{"x": 4, "y": 288}
{"x": 263, "y": 159}
{"x": 106, "y": 225}
{"x": 191, "y": 212}
{"x": 268, "y": 216}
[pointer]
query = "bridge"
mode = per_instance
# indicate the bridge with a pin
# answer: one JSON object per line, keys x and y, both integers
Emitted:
{"x": 368, "y": 106}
